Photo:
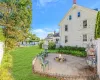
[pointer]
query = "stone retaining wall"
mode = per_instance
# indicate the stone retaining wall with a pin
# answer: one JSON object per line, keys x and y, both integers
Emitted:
{"x": 64, "y": 77}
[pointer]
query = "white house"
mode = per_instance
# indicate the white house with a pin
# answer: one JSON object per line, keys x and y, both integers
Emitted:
{"x": 49, "y": 37}
{"x": 53, "y": 37}
{"x": 77, "y": 27}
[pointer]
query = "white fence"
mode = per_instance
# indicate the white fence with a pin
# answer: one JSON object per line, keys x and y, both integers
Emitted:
{"x": 1, "y": 51}
{"x": 97, "y": 47}
{"x": 98, "y": 57}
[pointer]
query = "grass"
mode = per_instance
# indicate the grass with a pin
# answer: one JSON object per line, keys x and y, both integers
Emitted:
{"x": 53, "y": 51}
{"x": 22, "y": 64}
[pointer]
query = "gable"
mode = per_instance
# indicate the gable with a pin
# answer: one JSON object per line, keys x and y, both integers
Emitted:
{"x": 77, "y": 8}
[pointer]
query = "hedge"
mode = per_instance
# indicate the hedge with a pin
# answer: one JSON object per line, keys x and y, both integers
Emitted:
{"x": 5, "y": 68}
{"x": 75, "y": 51}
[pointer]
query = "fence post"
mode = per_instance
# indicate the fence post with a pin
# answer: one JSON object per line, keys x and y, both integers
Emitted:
{"x": 98, "y": 57}
{"x": 1, "y": 51}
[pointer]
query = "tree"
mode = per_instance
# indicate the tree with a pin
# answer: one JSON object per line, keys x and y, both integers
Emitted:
{"x": 17, "y": 15}
{"x": 32, "y": 38}
{"x": 1, "y": 35}
{"x": 97, "y": 26}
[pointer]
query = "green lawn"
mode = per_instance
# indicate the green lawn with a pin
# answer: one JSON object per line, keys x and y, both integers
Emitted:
{"x": 22, "y": 64}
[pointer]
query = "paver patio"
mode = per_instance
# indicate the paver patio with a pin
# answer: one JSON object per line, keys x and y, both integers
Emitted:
{"x": 74, "y": 66}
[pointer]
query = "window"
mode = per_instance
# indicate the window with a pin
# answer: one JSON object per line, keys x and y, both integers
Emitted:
{"x": 66, "y": 39}
{"x": 66, "y": 27}
{"x": 57, "y": 40}
{"x": 85, "y": 37}
{"x": 85, "y": 24}
{"x": 78, "y": 14}
{"x": 70, "y": 17}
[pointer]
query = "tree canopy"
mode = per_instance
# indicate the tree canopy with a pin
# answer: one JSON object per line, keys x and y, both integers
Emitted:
{"x": 16, "y": 17}
{"x": 1, "y": 35}
{"x": 97, "y": 26}
{"x": 33, "y": 38}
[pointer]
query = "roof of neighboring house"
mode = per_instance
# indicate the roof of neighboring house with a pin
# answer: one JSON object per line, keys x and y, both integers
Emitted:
{"x": 56, "y": 35}
{"x": 50, "y": 36}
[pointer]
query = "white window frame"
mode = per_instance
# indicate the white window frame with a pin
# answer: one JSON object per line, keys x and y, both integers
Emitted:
{"x": 85, "y": 23}
{"x": 66, "y": 27}
{"x": 85, "y": 37}
{"x": 66, "y": 39}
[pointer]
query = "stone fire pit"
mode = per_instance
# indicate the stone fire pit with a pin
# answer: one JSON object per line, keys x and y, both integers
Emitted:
{"x": 60, "y": 58}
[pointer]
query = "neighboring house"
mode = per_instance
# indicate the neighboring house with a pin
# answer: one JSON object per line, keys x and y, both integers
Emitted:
{"x": 77, "y": 27}
{"x": 53, "y": 37}
{"x": 49, "y": 37}
{"x": 56, "y": 37}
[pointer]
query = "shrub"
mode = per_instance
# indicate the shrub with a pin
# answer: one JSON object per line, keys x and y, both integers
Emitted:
{"x": 40, "y": 44}
{"x": 2, "y": 38}
{"x": 6, "y": 67}
{"x": 5, "y": 74}
{"x": 51, "y": 46}
{"x": 97, "y": 26}
{"x": 79, "y": 53}
{"x": 73, "y": 48}
{"x": 7, "y": 61}
{"x": 73, "y": 52}
{"x": 76, "y": 51}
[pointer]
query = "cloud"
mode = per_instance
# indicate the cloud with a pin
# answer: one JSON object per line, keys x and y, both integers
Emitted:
{"x": 45, "y": 2}
{"x": 42, "y": 33}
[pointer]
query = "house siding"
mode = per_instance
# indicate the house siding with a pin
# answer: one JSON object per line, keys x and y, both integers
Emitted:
{"x": 75, "y": 26}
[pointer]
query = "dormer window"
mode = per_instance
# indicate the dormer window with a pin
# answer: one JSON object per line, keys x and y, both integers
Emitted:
{"x": 70, "y": 17}
{"x": 78, "y": 14}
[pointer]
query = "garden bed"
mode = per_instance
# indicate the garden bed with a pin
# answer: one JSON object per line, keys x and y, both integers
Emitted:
{"x": 75, "y": 51}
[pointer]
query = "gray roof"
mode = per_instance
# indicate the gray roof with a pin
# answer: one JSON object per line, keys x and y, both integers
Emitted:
{"x": 50, "y": 36}
{"x": 56, "y": 35}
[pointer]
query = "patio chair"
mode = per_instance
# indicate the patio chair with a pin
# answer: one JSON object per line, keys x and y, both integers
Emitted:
{"x": 45, "y": 54}
{"x": 39, "y": 54}
{"x": 43, "y": 63}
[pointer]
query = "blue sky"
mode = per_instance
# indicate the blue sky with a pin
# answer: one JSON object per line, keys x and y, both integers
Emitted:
{"x": 46, "y": 14}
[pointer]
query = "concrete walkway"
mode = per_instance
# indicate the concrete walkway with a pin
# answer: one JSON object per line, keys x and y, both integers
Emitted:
{"x": 74, "y": 66}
